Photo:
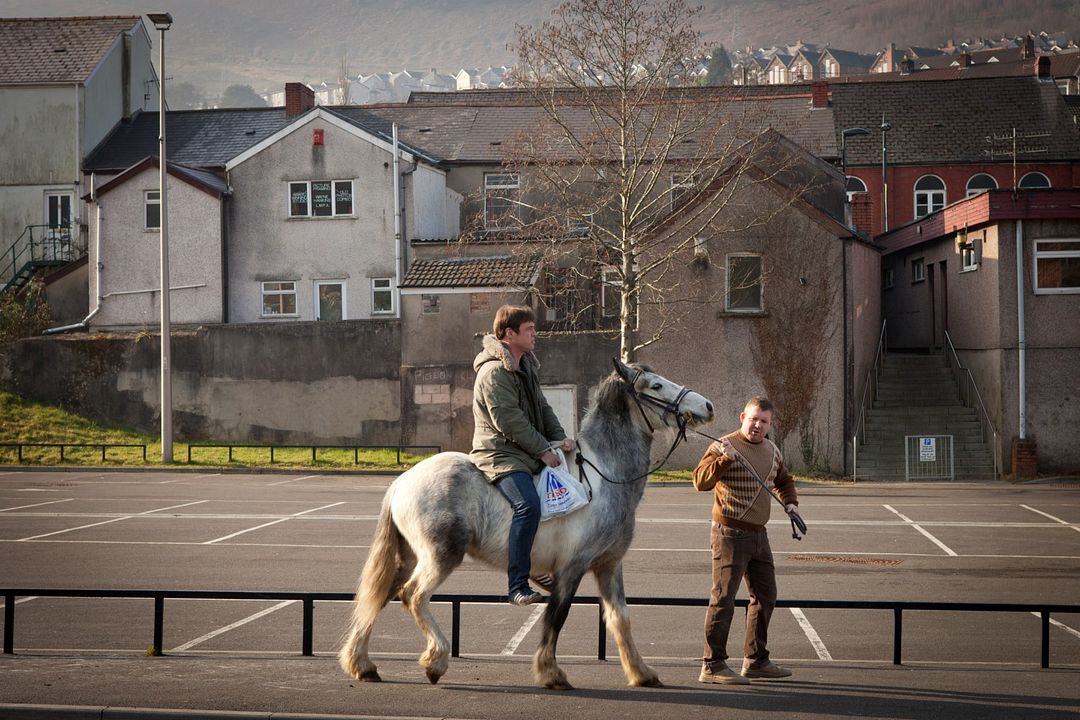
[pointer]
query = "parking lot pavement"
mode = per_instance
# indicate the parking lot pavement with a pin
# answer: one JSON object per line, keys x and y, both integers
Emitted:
{"x": 183, "y": 531}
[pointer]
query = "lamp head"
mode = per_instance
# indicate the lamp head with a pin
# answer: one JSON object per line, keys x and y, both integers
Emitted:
{"x": 850, "y": 132}
{"x": 162, "y": 20}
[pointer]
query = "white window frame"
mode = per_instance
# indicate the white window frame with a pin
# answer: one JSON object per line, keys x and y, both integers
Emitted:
{"x": 315, "y": 296}
{"x": 727, "y": 283}
{"x": 61, "y": 195}
{"x": 610, "y": 292}
{"x": 933, "y": 200}
{"x": 918, "y": 270}
{"x": 511, "y": 188}
{"x": 149, "y": 202}
{"x": 972, "y": 192}
{"x": 309, "y": 208}
{"x": 383, "y": 285}
{"x": 971, "y": 254}
{"x": 1021, "y": 185}
{"x": 847, "y": 187}
{"x": 278, "y": 292}
{"x": 1054, "y": 254}
{"x": 683, "y": 186}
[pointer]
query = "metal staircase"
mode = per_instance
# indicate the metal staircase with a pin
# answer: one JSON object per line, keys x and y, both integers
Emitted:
{"x": 38, "y": 247}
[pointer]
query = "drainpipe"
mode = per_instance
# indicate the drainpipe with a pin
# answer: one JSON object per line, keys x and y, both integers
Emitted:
{"x": 97, "y": 268}
{"x": 397, "y": 224}
{"x": 1020, "y": 336}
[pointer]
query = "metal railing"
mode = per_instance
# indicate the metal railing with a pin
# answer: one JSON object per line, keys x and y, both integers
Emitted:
{"x": 63, "y": 446}
{"x": 42, "y": 244}
{"x": 970, "y": 395}
{"x": 870, "y": 391}
{"x": 315, "y": 448}
{"x": 308, "y": 600}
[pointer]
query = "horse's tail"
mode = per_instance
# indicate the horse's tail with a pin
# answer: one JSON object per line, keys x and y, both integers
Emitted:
{"x": 380, "y": 580}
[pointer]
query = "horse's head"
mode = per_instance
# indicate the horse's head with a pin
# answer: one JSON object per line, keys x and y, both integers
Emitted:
{"x": 672, "y": 404}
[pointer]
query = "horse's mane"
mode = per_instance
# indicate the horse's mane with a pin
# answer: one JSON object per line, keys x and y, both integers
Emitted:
{"x": 611, "y": 425}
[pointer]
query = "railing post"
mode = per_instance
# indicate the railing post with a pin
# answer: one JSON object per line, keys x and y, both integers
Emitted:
{"x": 159, "y": 624}
{"x": 9, "y": 624}
{"x": 1045, "y": 655}
{"x": 455, "y": 628}
{"x": 309, "y": 618}
{"x": 898, "y": 633}
{"x": 601, "y": 634}
{"x": 312, "y": 454}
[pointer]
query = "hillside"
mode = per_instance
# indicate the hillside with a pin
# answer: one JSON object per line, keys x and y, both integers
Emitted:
{"x": 214, "y": 44}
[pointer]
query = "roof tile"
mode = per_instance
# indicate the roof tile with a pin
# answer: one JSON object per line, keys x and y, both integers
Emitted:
{"x": 56, "y": 49}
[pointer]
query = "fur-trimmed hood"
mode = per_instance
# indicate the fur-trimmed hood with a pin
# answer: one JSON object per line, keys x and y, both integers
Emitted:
{"x": 495, "y": 350}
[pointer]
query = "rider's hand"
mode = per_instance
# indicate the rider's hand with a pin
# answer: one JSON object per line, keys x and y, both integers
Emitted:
{"x": 790, "y": 508}
{"x": 568, "y": 445}
{"x": 550, "y": 459}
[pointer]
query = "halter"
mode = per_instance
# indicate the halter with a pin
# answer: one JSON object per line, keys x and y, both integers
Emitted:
{"x": 667, "y": 407}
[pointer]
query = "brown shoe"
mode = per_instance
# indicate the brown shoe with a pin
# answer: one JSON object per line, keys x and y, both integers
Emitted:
{"x": 768, "y": 671}
{"x": 722, "y": 676}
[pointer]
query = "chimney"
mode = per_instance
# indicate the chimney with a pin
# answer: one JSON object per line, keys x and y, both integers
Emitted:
{"x": 299, "y": 98}
{"x": 890, "y": 53}
{"x": 1042, "y": 69}
{"x": 907, "y": 66}
{"x": 819, "y": 94}
{"x": 1029, "y": 46}
{"x": 964, "y": 60}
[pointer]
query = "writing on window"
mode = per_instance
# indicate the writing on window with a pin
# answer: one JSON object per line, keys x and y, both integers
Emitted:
{"x": 320, "y": 198}
{"x": 1057, "y": 266}
{"x": 743, "y": 283}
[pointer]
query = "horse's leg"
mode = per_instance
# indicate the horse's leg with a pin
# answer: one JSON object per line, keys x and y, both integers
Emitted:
{"x": 431, "y": 570}
{"x": 617, "y": 618}
{"x": 545, "y": 669}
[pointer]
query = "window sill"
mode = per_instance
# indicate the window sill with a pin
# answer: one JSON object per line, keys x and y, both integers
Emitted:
{"x": 295, "y": 316}
{"x": 291, "y": 218}
{"x": 742, "y": 313}
{"x": 920, "y": 280}
{"x": 151, "y": 230}
{"x": 969, "y": 269}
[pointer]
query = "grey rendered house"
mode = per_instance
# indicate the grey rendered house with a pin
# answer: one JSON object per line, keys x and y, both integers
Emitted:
{"x": 65, "y": 82}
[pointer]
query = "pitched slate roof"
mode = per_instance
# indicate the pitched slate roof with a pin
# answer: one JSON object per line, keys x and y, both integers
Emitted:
{"x": 199, "y": 138}
{"x": 849, "y": 59}
{"x": 944, "y": 121}
{"x": 208, "y": 182}
{"x": 56, "y": 49}
{"x": 495, "y": 271}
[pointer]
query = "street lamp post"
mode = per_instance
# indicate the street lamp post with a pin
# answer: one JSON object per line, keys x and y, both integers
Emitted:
{"x": 162, "y": 22}
{"x": 885, "y": 127}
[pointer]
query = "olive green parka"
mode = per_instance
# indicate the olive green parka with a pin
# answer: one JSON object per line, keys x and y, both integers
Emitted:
{"x": 513, "y": 425}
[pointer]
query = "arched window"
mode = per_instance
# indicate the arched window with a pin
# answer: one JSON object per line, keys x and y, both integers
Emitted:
{"x": 854, "y": 186}
{"x": 979, "y": 183}
{"x": 1034, "y": 181}
{"x": 929, "y": 195}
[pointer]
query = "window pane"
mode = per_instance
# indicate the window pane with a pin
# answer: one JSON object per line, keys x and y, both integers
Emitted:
{"x": 1059, "y": 272}
{"x": 744, "y": 283}
{"x": 1034, "y": 180}
{"x": 322, "y": 204}
{"x": 298, "y": 199}
{"x": 343, "y": 197}
{"x": 500, "y": 199}
{"x": 382, "y": 297}
{"x": 153, "y": 216}
{"x": 1058, "y": 246}
{"x": 930, "y": 182}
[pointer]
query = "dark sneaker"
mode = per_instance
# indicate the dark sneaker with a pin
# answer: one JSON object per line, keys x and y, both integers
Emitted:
{"x": 722, "y": 676}
{"x": 525, "y": 597}
{"x": 768, "y": 671}
{"x": 545, "y": 582}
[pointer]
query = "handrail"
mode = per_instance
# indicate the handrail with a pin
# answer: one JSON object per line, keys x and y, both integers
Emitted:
{"x": 873, "y": 375}
{"x": 355, "y": 448}
{"x": 309, "y": 598}
{"x": 54, "y": 243}
{"x": 985, "y": 423}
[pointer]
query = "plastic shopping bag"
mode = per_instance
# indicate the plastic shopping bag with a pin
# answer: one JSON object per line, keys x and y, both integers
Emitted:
{"x": 560, "y": 492}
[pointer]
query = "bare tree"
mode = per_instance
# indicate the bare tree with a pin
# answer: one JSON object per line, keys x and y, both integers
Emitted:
{"x": 626, "y": 166}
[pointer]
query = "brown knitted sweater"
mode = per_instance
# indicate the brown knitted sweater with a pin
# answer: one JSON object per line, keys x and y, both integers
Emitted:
{"x": 739, "y": 500}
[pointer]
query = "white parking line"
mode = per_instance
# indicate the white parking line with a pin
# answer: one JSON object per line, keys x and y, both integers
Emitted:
{"x": 105, "y": 522}
{"x": 20, "y": 601}
{"x": 50, "y": 502}
{"x": 189, "y": 477}
{"x": 1061, "y": 625}
{"x": 915, "y": 525}
{"x": 222, "y": 630}
{"x": 292, "y": 480}
{"x": 1055, "y": 519}
{"x": 811, "y": 634}
{"x": 274, "y": 522}
{"x": 512, "y": 646}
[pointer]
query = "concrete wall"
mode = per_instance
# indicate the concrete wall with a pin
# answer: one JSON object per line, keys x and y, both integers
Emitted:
{"x": 265, "y": 244}
{"x": 332, "y": 383}
{"x": 427, "y": 212}
{"x": 128, "y": 280}
{"x": 67, "y": 294}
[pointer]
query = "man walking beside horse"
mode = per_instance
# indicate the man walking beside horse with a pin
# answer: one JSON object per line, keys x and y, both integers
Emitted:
{"x": 514, "y": 431}
{"x": 739, "y": 467}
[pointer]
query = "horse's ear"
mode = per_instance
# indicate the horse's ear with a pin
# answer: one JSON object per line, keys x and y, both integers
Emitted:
{"x": 621, "y": 369}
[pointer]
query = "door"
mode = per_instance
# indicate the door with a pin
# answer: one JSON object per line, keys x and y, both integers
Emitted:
{"x": 563, "y": 400}
{"x": 56, "y": 240}
{"x": 329, "y": 300}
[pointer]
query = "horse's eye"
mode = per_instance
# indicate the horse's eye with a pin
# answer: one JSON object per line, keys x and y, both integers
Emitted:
{"x": 657, "y": 386}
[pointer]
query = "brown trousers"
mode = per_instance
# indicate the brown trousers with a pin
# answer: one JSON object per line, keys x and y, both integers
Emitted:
{"x": 739, "y": 554}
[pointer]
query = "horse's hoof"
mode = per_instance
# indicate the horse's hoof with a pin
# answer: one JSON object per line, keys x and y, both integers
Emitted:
{"x": 558, "y": 685}
{"x": 432, "y": 676}
{"x": 370, "y": 676}
{"x": 648, "y": 682}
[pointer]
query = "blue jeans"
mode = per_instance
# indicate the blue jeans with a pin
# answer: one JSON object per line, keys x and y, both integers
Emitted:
{"x": 518, "y": 489}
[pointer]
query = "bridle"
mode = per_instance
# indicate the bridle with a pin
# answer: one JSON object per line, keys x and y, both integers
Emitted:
{"x": 666, "y": 407}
